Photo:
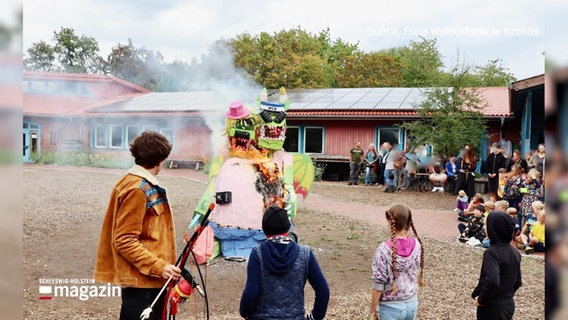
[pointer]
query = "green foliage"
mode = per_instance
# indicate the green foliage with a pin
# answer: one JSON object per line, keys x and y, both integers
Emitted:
{"x": 449, "y": 118}
{"x": 80, "y": 159}
{"x": 368, "y": 70}
{"x": 292, "y": 58}
{"x": 42, "y": 158}
{"x": 137, "y": 65}
{"x": 41, "y": 57}
{"x": 494, "y": 74}
{"x": 206, "y": 167}
{"x": 421, "y": 63}
{"x": 319, "y": 169}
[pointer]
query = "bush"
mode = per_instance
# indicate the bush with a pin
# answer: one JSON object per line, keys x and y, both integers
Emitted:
{"x": 206, "y": 167}
{"x": 106, "y": 160}
{"x": 81, "y": 159}
{"x": 319, "y": 169}
{"x": 43, "y": 158}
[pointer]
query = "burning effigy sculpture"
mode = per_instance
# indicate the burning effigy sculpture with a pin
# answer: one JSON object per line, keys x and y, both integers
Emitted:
{"x": 252, "y": 174}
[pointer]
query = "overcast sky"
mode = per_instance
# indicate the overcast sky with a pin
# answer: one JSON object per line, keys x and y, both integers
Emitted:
{"x": 474, "y": 31}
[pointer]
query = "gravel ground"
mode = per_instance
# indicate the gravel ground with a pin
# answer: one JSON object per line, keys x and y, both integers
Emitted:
{"x": 63, "y": 211}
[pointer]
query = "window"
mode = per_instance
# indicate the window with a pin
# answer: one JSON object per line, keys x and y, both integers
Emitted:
{"x": 101, "y": 136}
{"x": 391, "y": 135}
{"x": 292, "y": 139}
{"x": 55, "y": 137}
{"x": 36, "y": 86}
{"x": 131, "y": 133}
{"x": 313, "y": 140}
{"x": 116, "y": 136}
{"x": 168, "y": 133}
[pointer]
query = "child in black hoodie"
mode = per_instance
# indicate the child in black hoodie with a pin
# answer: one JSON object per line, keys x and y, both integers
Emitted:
{"x": 500, "y": 271}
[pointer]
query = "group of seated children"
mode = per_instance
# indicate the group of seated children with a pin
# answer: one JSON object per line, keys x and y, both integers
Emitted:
{"x": 529, "y": 238}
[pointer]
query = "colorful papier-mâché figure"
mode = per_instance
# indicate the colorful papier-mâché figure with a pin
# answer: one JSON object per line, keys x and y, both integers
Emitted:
{"x": 250, "y": 175}
{"x": 273, "y": 129}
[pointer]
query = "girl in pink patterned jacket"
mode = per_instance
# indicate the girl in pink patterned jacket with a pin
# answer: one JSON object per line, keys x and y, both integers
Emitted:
{"x": 397, "y": 269}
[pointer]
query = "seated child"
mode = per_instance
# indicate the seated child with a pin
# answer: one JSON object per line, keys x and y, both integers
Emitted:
{"x": 501, "y": 205}
{"x": 461, "y": 202}
{"x": 512, "y": 211}
{"x": 489, "y": 206}
{"x": 474, "y": 226}
{"x": 476, "y": 200}
{"x": 522, "y": 238}
{"x": 437, "y": 178}
{"x": 535, "y": 240}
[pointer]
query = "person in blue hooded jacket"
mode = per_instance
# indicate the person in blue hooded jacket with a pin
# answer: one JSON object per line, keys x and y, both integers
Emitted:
{"x": 277, "y": 272}
{"x": 500, "y": 274}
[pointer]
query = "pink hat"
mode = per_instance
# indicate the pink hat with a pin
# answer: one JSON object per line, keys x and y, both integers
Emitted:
{"x": 237, "y": 110}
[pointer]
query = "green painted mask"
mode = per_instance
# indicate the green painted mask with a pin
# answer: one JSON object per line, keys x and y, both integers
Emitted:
{"x": 272, "y": 132}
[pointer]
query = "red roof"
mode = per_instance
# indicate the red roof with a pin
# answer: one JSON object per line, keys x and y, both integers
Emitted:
{"x": 496, "y": 104}
{"x": 497, "y": 101}
{"x": 83, "y": 77}
{"x": 114, "y": 93}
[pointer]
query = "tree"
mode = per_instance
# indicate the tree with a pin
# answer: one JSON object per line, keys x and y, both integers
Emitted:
{"x": 41, "y": 57}
{"x": 421, "y": 62}
{"x": 70, "y": 53}
{"x": 494, "y": 74}
{"x": 364, "y": 70}
{"x": 76, "y": 54}
{"x": 291, "y": 58}
{"x": 449, "y": 117}
{"x": 137, "y": 65}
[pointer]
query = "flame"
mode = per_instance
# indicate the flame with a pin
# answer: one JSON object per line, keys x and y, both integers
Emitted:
{"x": 251, "y": 153}
{"x": 270, "y": 171}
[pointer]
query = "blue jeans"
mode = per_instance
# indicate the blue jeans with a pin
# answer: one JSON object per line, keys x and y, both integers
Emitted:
{"x": 397, "y": 178}
{"x": 398, "y": 310}
{"x": 388, "y": 177}
{"x": 369, "y": 172}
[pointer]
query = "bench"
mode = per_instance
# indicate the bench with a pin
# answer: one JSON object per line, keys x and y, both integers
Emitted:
{"x": 419, "y": 181}
{"x": 186, "y": 164}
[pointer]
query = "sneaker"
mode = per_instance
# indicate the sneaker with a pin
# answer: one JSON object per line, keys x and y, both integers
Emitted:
{"x": 463, "y": 239}
{"x": 520, "y": 246}
{"x": 350, "y": 183}
{"x": 440, "y": 189}
{"x": 434, "y": 189}
{"x": 529, "y": 250}
{"x": 456, "y": 210}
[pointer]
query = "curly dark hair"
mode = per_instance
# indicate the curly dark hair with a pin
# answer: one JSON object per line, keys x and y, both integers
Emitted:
{"x": 150, "y": 148}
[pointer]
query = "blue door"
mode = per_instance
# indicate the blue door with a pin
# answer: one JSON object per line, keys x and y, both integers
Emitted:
{"x": 26, "y": 145}
{"x": 30, "y": 143}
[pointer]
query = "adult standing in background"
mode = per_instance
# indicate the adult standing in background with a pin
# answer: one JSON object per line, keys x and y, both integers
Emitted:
{"x": 355, "y": 159}
{"x": 538, "y": 159}
{"x": 466, "y": 175}
{"x": 389, "y": 158}
{"x": 517, "y": 158}
{"x": 495, "y": 161}
{"x": 371, "y": 157}
{"x": 452, "y": 169}
{"x": 381, "y": 165}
